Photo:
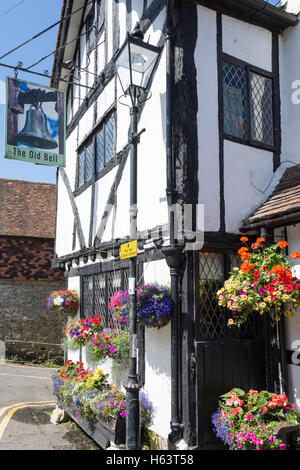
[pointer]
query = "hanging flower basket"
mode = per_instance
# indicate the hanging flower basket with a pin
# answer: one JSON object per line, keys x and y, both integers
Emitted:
{"x": 66, "y": 302}
{"x": 154, "y": 306}
{"x": 81, "y": 332}
{"x": 264, "y": 283}
{"x": 257, "y": 420}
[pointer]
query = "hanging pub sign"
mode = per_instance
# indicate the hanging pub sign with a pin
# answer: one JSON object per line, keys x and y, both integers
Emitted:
{"x": 35, "y": 123}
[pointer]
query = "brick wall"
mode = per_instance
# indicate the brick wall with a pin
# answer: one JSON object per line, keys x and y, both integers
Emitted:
{"x": 27, "y": 259}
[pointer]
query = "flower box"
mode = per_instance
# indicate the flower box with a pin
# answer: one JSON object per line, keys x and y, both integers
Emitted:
{"x": 105, "y": 432}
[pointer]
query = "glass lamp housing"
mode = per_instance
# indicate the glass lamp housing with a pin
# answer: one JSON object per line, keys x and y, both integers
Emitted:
{"x": 135, "y": 63}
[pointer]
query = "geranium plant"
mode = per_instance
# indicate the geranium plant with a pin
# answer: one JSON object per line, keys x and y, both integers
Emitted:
{"x": 81, "y": 332}
{"x": 264, "y": 283}
{"x": 154, "y": 306}
{"x": 248, "y": 420}
{"x": 66, "y": 301}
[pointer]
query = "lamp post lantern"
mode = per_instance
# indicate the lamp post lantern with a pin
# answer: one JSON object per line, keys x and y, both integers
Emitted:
{"x": 135, "y": 63}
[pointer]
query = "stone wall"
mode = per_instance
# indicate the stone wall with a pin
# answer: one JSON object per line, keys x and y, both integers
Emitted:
{"x": 30, "y": 332}
{"x": 26, "y": 280}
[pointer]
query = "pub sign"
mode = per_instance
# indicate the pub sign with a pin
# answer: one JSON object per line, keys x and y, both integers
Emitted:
{"x": 35, "y": 123}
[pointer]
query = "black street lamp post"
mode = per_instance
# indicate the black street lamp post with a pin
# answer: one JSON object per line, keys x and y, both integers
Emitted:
{"x": 134, "y": 63}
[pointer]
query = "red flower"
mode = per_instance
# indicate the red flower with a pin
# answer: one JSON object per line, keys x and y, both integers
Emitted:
{"x": 256, "y": 273}
{"x": 282, "y": 244}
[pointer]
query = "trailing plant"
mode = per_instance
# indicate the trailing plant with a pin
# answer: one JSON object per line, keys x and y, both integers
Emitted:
{"x": 88, "y": 394}
{"x": 154, "y": 306}
{"x": 110, "y": 343}
{"x": 81, "y": 332}
{"x": 64, "y": 301}
{"x": 248, "y": 420}
{"x": 264, "y": 283}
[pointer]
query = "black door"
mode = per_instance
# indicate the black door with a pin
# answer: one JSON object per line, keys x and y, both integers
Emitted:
{"x": 226, "y": 357}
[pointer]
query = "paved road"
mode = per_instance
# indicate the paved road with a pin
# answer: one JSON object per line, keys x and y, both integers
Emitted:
{"x": 26, "y": 404}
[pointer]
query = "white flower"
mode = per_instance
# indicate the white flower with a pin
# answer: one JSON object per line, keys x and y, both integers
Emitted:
{"x": 58, "y": 301}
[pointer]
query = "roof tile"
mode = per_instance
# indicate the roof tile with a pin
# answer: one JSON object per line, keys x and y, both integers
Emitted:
{"x": 27, "y": 209}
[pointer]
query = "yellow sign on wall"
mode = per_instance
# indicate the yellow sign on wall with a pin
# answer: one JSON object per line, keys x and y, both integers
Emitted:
{"x": 128, "y": 250}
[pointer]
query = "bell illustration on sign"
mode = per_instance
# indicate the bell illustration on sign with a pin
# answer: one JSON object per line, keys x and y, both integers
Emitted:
{"x": 35, "y": 123}
{"x": 35, "y": 132}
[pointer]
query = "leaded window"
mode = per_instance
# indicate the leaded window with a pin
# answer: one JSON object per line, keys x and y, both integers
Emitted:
{"x": 247, "y": 104}
{"x": 96, "y": 151}
{"x": 97, "y": 290}
{"x": 211, "y": 316}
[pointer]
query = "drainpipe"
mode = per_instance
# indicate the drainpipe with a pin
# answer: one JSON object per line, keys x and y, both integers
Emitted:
{"x": 173, "y": 253}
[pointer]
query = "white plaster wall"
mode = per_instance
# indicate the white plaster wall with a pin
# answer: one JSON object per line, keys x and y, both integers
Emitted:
{"x": 83, "y": 202}
{"x": 290, "y": 104}
{"x": 64, "y": 221}
{"x": 247, "y": 42}
{"x": 158, "y": 357}
{"x": 105, "y": 99}
{"x": 109, "y": 31}
{"x": 208, "y": 128}
{"x": 292, "y": 6}
{"x": 152, "y": 204}
{"x": 71, "y": 158}
{"x": 122, "y": 20}
{"x": 86, "y": 124}
{"x": 247, "y": 174}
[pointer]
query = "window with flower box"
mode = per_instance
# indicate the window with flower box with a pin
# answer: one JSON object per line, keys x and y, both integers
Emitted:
{"x": 97, "y": 290}
{"x": 247, "y": 103}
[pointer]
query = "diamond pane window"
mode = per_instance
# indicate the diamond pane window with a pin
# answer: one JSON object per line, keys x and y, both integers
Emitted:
{"x": 247, "y": 104}
{"x": 99, "y": 149}
{"x": 211, "y": 277}
{"x": 81, "y": 168}
{"x": 89, "y": 160}
{"x": 212, "y": 317}
{"x": 97, "y": 291}
{"x": 235, "y": 100}
{"x": 110, "y": 137}
{"x": 261, "y": 108}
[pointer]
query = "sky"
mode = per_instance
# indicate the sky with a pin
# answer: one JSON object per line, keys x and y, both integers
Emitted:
{"x": 20, "y": 20}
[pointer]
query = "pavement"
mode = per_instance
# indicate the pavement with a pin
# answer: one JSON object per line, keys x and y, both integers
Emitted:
{"x": 26, "y": 405}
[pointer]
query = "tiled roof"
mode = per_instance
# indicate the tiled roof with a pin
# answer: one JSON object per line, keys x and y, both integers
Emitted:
{"x": 27, "y": 209}
{"x": 284, "y": 200}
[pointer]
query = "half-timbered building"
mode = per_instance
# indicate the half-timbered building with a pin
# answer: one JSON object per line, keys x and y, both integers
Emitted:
{"x": 218, "y": 135}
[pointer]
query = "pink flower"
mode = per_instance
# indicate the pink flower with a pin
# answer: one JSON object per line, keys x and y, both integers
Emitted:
{"x": 282, "y": 447}
{"x": 249, "y": 416}
{"x": 231, "y": 435}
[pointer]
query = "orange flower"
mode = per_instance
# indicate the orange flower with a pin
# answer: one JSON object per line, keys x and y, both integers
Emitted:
{"x": 243, "y": 252}
{"x": 282, "y": 244}
{"x": 278, "y": 269}
{"x": 296, "y": 255}
{"x": 244, "y": 239}
{"x": 246, "y": 267}
{"x": 260, "y": 240}
{"x": 264, "y": 409}
{"x": 253, "y": 392}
